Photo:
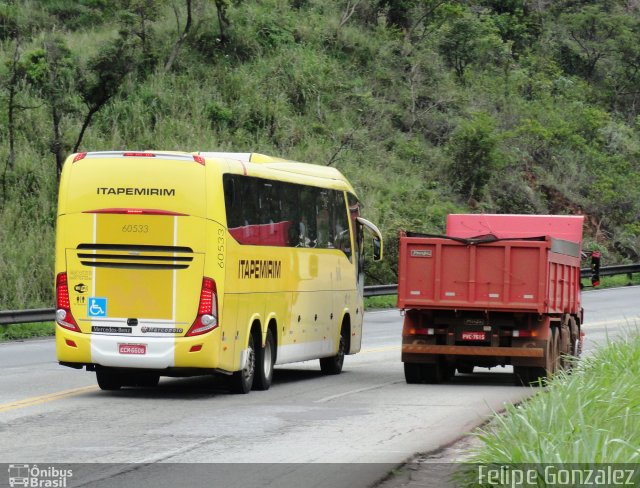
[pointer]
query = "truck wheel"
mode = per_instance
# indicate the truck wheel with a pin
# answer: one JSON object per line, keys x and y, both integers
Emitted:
{"x": 521, "y": 375}
{"x": 564, "y": 347}
{"x": 108, "y": 379}
{"x": 465, "y": 369}
{"x": 265, "y": 357}
{"x": 555, "y": 355}
{"x": 449, "y": 371}
{"x": 433, "y": 373}
{"x": 540, "y": 375}
{"x": 242, "y": 381}
{"x": 413, "y": 373}
{"x": 574, "y": 336}
{"x": 333, "y": 365}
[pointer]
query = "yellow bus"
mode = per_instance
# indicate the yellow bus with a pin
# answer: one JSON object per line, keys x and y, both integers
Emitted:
{"x": 181, "y": 264}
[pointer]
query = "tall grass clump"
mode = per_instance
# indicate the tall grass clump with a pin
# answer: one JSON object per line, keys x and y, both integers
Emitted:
{"x": 591, "y": 416}
{"x": 26, "y": 331}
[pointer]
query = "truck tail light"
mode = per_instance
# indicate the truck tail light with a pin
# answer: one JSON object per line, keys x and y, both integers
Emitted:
{"x": 64, "y": 317}
{"x": 412, "y": 331}
{"x": 207, "y": 318}
{"x": 524, "y": 333}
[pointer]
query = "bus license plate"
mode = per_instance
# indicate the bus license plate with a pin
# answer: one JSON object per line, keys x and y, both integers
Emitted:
{"x": 132, "y": 348}
{"x": 473, "y": 336}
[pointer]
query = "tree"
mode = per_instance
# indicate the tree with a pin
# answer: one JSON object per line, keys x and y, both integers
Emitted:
{"x": 181, "y": 39}
{"x": 136, "y": 18}
{"x": 470, "y": 39}
{"x": 52, "y": 70}
{"x": 587, "y": 37}
{"x": 473, "y": 150}
{"x": 223, "y": 20}
{"x": 106, "y": 72}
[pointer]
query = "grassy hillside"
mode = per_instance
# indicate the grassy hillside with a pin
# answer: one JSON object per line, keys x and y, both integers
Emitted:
{"x": 428, "y": 107}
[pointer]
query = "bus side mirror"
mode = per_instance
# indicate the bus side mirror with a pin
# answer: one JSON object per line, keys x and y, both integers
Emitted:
{"x": 377, "y": 249}
{"x": 595, "y": 268}
{"x": 377, "y": 237}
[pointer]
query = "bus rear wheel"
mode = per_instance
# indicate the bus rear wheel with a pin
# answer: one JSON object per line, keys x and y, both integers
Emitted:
{"x": 242, "y": 381}
{"x": 108, "y": 379}
{"x": 265, "y": 357}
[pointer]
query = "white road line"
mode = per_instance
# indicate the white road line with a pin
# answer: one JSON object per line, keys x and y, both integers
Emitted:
{"x": 359, "y": 390}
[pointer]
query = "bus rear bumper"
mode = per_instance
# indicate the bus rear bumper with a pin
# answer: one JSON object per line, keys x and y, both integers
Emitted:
{"x": 119, "y": 351}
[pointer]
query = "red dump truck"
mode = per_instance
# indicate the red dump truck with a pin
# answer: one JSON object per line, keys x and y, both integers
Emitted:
{"x": 496, "y": 290}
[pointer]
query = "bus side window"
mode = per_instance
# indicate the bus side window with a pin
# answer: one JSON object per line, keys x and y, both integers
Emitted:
{"x": 341, "y": 234}
{"x": 323, "y": 220}
{"x": 231, "y": 201}
{"x": 307, "y": 221}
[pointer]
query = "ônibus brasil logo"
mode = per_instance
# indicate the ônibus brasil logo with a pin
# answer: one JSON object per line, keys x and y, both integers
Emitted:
{"x": 38, "y": 477}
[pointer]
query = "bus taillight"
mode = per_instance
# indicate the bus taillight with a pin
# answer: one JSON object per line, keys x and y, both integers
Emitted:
{"x": 64, "y": 318}
{"x": 207, "y": 318}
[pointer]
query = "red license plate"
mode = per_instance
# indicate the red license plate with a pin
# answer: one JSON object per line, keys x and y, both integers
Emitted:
{"x": 132, "y": 348}
{"x": 473, "y": 336}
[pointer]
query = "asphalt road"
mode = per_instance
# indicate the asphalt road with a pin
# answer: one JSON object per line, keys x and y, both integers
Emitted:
{"x": 308, "y": 430}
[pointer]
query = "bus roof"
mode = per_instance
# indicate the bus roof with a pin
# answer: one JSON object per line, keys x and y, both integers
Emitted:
{"x": 263, "y": 161}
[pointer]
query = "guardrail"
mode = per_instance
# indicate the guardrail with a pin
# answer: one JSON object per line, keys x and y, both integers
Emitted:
{"x": 49, "y": 314}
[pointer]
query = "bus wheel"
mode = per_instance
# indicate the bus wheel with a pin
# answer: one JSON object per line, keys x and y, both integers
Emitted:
{"x": 147, "y": 380}
{"x": 108, "y": 379}
{"x": 265, "y": 358}
{"x": 333, "y": 365}
{"x": 413, "y": 373}
{"x": 242, "y": 381}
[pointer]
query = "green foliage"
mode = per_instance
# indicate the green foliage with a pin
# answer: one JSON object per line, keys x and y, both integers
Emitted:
{"x": 388, "y": 301}
{"x": 8, "y": 21}
{"x": 473, "y": 150}
{"x": 26, "y": 331}
{"x": 470, "y": 39}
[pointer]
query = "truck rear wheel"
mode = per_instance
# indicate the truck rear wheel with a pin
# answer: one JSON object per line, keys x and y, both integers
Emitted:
{"x": 433, "y": 373}
{"x": 536, "y": 375}
{"x": 564, "y": 347}
{"x": 521, "y": 375}
{"x": 465, "y": 369}
{"x": 413, "y": 373}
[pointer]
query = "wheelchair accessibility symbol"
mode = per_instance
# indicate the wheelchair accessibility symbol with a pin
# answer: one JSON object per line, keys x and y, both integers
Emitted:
{"x": 97, "y": 307}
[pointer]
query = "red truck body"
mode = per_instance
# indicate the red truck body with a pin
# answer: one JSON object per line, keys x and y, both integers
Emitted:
{"x": 496, "y": 290}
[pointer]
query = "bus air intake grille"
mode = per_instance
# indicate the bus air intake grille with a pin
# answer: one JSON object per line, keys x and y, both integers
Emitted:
{"x": 124, "y": 256}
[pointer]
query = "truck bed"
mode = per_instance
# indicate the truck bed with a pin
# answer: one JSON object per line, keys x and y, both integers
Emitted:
{"x": 513, "y": 275}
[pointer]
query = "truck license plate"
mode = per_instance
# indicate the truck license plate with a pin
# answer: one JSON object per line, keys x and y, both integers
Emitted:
{"x": 473, "y": 336}
{"x": 132, "y": 348}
